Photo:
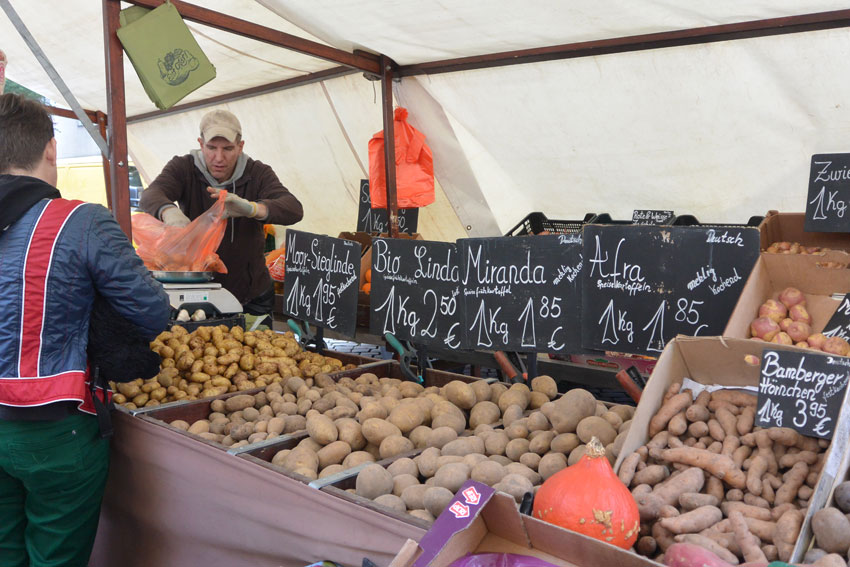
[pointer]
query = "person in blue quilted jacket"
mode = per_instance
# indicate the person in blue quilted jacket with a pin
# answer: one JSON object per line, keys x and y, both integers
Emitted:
{"x": 56, "y": 255}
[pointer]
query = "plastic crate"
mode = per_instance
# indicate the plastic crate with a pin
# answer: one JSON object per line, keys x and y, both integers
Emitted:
{"x": 691, "y": 220}
{"x": 537, "y": 222}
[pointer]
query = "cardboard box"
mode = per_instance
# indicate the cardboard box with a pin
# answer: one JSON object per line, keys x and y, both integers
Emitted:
{"x": 774, "y": 272}
{"x": 720, "y": 361}
{"x": 481, "y": 520}
{"x": 788, "y": 227}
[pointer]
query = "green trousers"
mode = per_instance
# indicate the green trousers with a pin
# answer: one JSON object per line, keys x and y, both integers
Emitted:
{"x": 52, "y": 477}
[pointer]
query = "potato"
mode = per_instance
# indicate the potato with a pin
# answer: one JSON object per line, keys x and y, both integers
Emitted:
{"x": 516, "y": 448}
{"x": 404, "y": 465}
{"x": 522, "y": 470}
{"x": 531, "y": 460}
{"x": 452, "y": 476}
{"x": 841, "y": 496}
{"x": 295, "y": 423}
{"x": 540, "y": 443}
{"x": 496, "y": 391}
{"x": 513, "y": 397}
{"x": 301, "y": 459}
{"x": 414, "y": 496}
{"x": 460, "y": 394}
{"x": 487, "y": 472}
{"x": 410, "y": 389}
{"x": 420, "y": 436}
{"x": 567, "y": 411}
{"x": 238, "y": 402}
{"x": 598, "y": 427}
{"x": 576, "y": 454}
{"x": 333, "y": 453}
{"x": 392, "y": 502}
{"x": 350, "y": 432}
{"x": 357, "y": 457}
{"x": 517, "y": 430}
{"x": 422, "y": 515}
{"x": 180, "y": 424}
{"x": 402, "y": 481}
{"x": 481, "y": 389}
{"x": 564, "y": 443}
{"x": 831, "y": 529}
{"x": 436, "y": 499}
{"x": 406, "y": 417}
{"x": 550, "y": 464}
{"x": 373, "y": 481}
{"x": 454, "y": 421}
{"x": 496, "y": 443}
{"x": 511, "y": 414}
{"x": 538, "y": 422}
{"x": 321, "y": 429}
{"x": 376, "y": 430}
{"x": 484, "y": 413}
{"x": 242, "y": 431}
{"x": 545, "y": 385}
{"x": 514, "y": 485}
{"x": 394, "y": 445}
{"x": 427, "y": 461}
{"x": 463, "y": 446}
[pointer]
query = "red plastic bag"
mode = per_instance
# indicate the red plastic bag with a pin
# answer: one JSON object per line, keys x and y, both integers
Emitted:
{"x": 187, "y": 249}
{"x": 414, "y": 169}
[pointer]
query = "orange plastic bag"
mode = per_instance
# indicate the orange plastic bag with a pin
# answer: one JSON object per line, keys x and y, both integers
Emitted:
{"x": 414, "y": 169}
{"x": 187, "y": 249}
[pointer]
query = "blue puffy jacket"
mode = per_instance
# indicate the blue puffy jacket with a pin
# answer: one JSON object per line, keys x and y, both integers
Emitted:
{"x": 53, "y": 257}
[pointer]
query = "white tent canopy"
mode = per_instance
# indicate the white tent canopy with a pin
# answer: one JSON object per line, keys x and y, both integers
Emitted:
{"x": 719, "y": 130}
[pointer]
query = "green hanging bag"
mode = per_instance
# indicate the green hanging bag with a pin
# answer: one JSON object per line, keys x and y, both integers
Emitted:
{"x": 167, "y": 59}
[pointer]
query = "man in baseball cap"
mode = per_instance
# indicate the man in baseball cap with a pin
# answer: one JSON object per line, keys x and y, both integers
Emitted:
{"x": 255, "y": 197}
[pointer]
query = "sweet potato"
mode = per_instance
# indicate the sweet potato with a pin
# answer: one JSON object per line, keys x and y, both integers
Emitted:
{"x": 719, "y": 466}
{"x": 786, "y": 531}
{"x": 745, "y": 510}
{"x": 747, "y": 542}
{"x": 693, "y": 500}
{"x": 670, "y": 408}
{"x": 793, "y": 480}
{"x": 668, "y": 492}
{"x": 693, "y": 521}
{"x": 710, "y": 545}
{"x": 628, "y": 468}
{"x": 691, "y": 555}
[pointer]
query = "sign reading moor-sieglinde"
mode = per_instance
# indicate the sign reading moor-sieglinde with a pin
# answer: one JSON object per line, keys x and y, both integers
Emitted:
{"x": 322, "y": 280}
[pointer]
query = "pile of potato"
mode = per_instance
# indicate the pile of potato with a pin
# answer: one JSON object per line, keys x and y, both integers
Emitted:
{"x": 211, "y": 361}
{"x": 514, "y": 458}
{"x": 831, "y": 528}
{"x": 708, "y": 477}
{"x": 794, "y": 248}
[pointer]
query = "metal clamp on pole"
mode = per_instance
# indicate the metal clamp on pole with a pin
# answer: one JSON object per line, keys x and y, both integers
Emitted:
{"x": 305, "y": 337}
{"x": 405, "y": 355}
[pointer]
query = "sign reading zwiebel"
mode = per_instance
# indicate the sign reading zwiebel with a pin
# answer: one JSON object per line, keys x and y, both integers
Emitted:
{"x": 801, "y": 390}
{"x": 829, "y": 194}
{"x": 415, "y": 292}
{"x": 322, "y": 280}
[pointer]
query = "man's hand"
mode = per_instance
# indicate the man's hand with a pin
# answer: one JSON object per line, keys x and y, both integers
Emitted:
{"x": 236, "y": 206}
{"x": 173, "y": 216}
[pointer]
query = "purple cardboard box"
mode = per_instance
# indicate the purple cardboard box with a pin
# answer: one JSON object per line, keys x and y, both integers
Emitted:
{"x": 481, "y": 520}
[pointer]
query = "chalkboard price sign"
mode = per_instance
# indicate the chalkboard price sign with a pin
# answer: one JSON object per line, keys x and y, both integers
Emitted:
{"x": 522, "y": 294}
{"x": 829, "y": 194}
{"x": 416, "y": 291}
{"x": 839, "y": 324}
{"x": 643, "y": 285}
{"x": 801, "y": 390}
{"x": 641, "y": 216}
{"x": 322, "y": 279}
{"x": 376, "y": 220}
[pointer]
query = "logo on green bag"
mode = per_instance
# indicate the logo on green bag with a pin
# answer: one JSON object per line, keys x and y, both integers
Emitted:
{"x": 175, "y": 67}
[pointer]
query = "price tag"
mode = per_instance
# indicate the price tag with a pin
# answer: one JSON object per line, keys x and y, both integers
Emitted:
{"x": 376, "y": 220}
{"x": 829, "y": 194}
{"x": 416, "y": 291}
{"x": 839, "y": 324}
{"x": 322, "y": 280}
{"x": 801, "y": 390}
{"x": 522, "y": 294}
{"x": 642, "y": 216}
{"x": 643, "y": 285}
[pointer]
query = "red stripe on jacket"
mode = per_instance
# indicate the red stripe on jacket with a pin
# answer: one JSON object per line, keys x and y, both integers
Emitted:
{"x": 36, "y": 275}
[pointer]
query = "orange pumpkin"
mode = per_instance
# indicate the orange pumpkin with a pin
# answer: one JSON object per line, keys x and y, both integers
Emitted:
{"x": 588, "y": 498}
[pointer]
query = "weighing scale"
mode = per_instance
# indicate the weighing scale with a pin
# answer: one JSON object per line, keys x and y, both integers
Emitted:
{"x": 193, "y": 290}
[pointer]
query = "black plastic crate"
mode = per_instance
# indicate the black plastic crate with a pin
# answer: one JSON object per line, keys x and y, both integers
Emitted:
{"x": 537, "y": 222}
{"x": 691, "y": 220}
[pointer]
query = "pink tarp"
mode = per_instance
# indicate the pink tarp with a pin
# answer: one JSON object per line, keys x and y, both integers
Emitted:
{"x": 174, "y": 501}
